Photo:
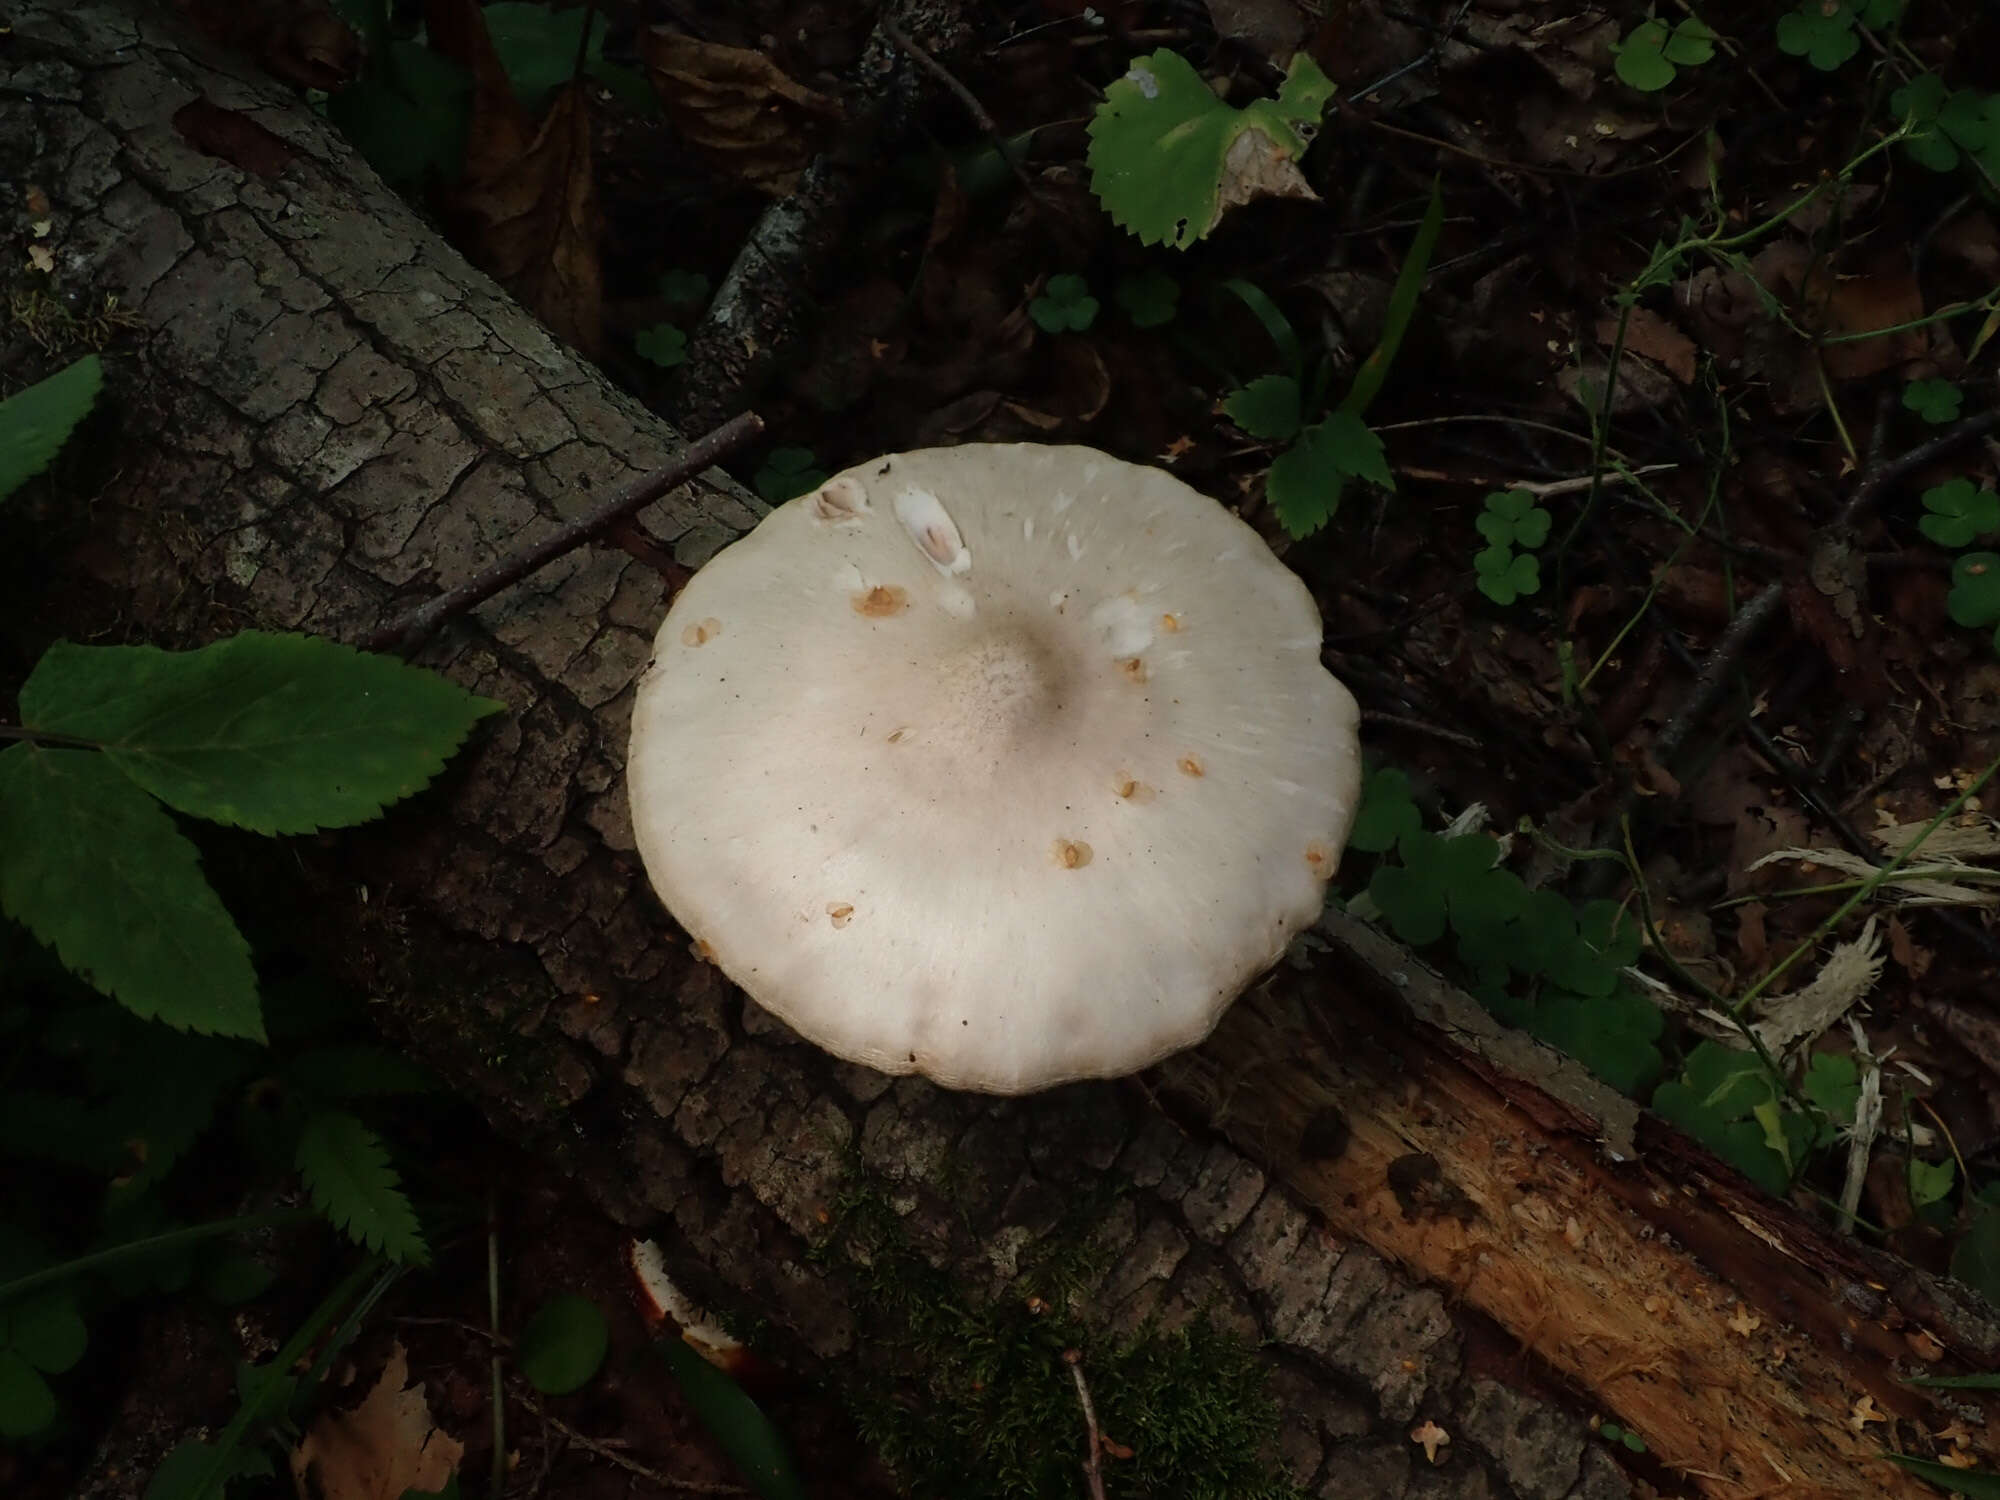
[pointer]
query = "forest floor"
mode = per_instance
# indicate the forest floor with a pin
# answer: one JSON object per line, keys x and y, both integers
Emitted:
{"x": 1663, "y": 567}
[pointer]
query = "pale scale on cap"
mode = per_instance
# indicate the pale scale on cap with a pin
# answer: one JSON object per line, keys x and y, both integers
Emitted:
{"x": 1004, "y": 764}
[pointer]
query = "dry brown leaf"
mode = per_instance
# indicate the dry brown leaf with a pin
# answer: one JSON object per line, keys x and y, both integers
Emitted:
{"x": 1855, "y": 304}
{"x": 386, "y": 1445}
{"x": 737, "y": 108}
{"x": 1647, "y": 333}
{"x": 525, "y": 209}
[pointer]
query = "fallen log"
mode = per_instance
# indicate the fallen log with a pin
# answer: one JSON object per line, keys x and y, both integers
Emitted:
{"x": 326, "y": 417}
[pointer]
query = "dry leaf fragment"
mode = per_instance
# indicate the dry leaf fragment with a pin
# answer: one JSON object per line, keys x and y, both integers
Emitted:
{"x": 737, "y": 108}
{"x": 1431, "y": 1438}
{"x": 1865, "y": 1411}
{"x": 386, "y": 1445}
{"x": 1647, "y": 333}
{"x": 1744, "y": 1322}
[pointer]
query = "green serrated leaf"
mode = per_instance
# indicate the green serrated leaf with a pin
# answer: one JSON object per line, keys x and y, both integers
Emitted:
{"x": 563, "y": 1344}
{"x": 35, "y": 423}
{"x": 274, "y": 733}
{"x": 96, "y": 870}
{"x": 346, "y": 1169}
{"x": 1167, "y": 157}
{"x": 1268, "y": 408}
{"x": 27, "y": 1405}
{"x": 753, "y": 1444}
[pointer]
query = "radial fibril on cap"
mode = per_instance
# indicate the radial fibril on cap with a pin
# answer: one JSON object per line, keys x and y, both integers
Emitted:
{"x": 1008, "y": 765}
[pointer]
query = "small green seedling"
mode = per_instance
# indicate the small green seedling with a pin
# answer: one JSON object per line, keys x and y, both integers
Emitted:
{"x": 786, "y": 474}
{"x": 1822, "y": 31}
{"x": 1975, "y": 592}
{"x": 563, "y": 1345}
{"x": 1611, "y": 1432}
{"x": 662, "y": 344}
{"x": 1163, "y": 146}
{"x": 1149, "y": 298}
{"x": 1936, "y": 401}
{"x": 1065, "y": 306}
{"x": 1511, "y": 519}
{"x": 1959, "y": 513}
{"x": 1653, "y": 55}
{"x": 1947, "y": 123}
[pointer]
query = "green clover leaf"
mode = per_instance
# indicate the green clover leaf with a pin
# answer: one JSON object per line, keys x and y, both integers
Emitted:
{"x": 1512, "y": 518}
{"x": 787, "y": 473}
{"x": 1936, "y": 401}
{"x": 1975, "y": 590}
{"x": 1822, "y": 34}
{"x": 1505, "y": 575}
{"x": 1065, "y": 306}
{"x": 1652, "y": 56}
{"x": 1959, "y": 512}
{"x": 1388, "y": 811}
{"x": 662, "y": 344}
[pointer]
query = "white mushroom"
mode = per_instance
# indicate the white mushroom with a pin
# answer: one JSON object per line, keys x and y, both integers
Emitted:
{"x": 1007, "y": 765}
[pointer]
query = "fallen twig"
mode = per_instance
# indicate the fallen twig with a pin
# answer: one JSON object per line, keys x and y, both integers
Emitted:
{"x": 629, "y": 500}
{"x": 605, "y": 1451}
{"x": 1093, "y": 1463}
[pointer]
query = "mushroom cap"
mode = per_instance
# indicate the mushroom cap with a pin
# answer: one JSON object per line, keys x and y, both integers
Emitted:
{"x": 1005, "y": 764}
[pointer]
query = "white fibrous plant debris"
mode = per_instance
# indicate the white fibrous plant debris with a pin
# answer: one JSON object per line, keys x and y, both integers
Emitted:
{"x": 1933, "y": 882}
{"x": 1472, "y": 820}
{"x": 1867, "y": 1125}
{"x": 1970, "y": 841}
{"x": 1850, "y": 972}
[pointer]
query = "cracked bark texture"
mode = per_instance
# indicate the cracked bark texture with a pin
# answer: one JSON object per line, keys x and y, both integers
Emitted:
{"x": 327, "y": 415}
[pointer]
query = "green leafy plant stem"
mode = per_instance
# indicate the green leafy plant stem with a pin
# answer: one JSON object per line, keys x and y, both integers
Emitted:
{"x": 1402, "y": 306}
{"x": 142, "y": 1249}
{"x": 209, "y": 1478}
{"x": 48, "y": 738}
{"x": 1658, "y": 266}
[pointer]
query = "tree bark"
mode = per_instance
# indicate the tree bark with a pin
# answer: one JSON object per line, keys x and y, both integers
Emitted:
{"x": 326, "y": 416}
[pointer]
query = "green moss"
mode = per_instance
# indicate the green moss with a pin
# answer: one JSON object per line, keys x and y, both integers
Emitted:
{"x": 975, "y": 1400}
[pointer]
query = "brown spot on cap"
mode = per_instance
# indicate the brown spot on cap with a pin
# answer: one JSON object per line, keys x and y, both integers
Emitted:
{"x": 1132, "y": 789}
{"x": 1191, "y": 766}
{"x": 842, "y": 912}
{"x": 1320, "y": 860}
{"x": 882, "y": 601}
{"x": 1133, "y": 668}
{"x": 1170, "y": 623}
{"x": 701, "y": 632}
{"x": 896, "y": 735}
{"x": 1072, "y": 854}
{"x": 702, "y": 951}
